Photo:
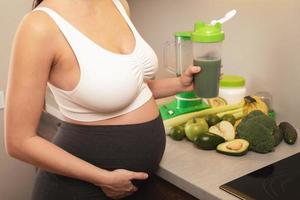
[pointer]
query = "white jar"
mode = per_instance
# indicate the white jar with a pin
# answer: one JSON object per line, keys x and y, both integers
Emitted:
{"x": 232, "y": 88}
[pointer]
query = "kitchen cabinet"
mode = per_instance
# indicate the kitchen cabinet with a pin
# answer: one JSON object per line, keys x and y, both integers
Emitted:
{"x": 157, "y": 188}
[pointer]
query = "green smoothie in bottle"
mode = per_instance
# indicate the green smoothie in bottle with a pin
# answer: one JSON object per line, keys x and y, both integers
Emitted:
{"x": 204, "y": 82}
{"x": 207, "y": 40}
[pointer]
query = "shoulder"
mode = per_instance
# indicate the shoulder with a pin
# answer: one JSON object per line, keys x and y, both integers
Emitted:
{"x": 36, "y": 38}
{"x": 37, "y": 25}
{"x": 126, "y": 6}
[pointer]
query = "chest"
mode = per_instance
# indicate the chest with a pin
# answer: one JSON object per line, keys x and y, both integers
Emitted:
{"x": 99, "y": 63}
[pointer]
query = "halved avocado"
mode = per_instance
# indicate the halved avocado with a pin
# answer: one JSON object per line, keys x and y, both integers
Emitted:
{"x": 217, "y": 101}
{"x": 208, "y": 141}
{"x": 237, "y": 147}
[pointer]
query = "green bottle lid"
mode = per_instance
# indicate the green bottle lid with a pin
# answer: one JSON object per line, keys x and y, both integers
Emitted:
{"x": 208, "y": 33}
{"x": 184, "y": 35}
{"x": 232, "y": 81}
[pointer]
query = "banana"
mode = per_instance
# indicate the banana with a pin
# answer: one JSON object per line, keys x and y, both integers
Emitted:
{"x": 252, "y": 103}
{"x": 261, "y": 104}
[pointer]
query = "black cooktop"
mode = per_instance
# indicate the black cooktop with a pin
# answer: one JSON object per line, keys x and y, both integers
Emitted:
{"x": 278, "y": 181}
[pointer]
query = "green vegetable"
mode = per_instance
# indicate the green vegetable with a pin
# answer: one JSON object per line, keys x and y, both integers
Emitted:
{"x": 278, "y": 135}
{"x": 224, "y": 129}
{"x": 232, "y": 112}
{"x": 289, "y": 132}
{"x": 259, "y": 130}
{"x": 179, "y": 120}
{"x": 230, "y": 118}
{"x": 177, "y": 133}
{"x": 237, "y": 147}
{"x": 212, "y": 120}
{"x": 195, "y": 127}
{"x": 208, "y": 141}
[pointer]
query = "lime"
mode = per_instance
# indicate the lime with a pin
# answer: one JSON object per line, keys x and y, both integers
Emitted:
{"x": 177, "y": 133}
{"x": 230, "y": 118}
{"x": 212, "y": 120}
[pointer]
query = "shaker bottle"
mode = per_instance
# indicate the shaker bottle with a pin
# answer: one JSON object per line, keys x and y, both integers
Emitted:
{"x": 207, "y": 42}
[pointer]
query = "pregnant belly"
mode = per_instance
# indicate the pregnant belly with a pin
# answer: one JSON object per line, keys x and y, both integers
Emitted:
{"x": 136, "y": 147}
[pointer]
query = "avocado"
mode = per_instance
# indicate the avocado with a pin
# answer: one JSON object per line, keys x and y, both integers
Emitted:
{"x": 230, "y": 118}
{"x": 217, "y": 101}
{"x": 208, "y": 141}
{"x": 237, "y": 147}
{"x": 289, "y": 132}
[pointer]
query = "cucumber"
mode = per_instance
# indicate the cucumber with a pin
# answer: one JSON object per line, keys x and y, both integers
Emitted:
{"x": 289, "y": 132}
{"x": 208, "y": 141}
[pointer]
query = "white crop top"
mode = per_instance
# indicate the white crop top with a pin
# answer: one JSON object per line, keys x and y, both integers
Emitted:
{"x": 110, "y": 84}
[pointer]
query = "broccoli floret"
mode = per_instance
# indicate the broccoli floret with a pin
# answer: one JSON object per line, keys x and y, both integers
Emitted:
{"x": 259, "y": 130}
{"x": 254, "y": 113}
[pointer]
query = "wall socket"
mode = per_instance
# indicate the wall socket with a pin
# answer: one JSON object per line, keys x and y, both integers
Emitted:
{"x": 1, "y": 99}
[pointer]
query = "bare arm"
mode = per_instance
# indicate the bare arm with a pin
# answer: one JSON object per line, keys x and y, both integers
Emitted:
{"x": 32, "y": 56}
{"x": 170, "y": 86}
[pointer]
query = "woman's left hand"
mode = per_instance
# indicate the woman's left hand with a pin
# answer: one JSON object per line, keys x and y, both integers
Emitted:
{"x": 186, "y": 78}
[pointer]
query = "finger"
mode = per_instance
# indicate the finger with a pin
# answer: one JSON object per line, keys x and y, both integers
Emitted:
{"x": 139, "y": 175}
{"x": 191, "y": 70}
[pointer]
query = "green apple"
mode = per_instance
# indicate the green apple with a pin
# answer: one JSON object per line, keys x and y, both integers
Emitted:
{"x": 195, "y": 127}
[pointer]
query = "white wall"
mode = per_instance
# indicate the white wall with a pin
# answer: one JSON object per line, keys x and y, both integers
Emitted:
{"x": 16, "y": 178}
{"x": 262, "y": 42}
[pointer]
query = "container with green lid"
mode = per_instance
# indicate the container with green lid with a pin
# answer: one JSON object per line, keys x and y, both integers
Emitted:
{"x": 207, "y": 42}
{"x": 232, "y": 88}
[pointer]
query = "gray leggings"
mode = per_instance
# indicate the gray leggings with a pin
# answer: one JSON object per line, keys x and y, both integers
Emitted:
{"x": 135, "y": 147}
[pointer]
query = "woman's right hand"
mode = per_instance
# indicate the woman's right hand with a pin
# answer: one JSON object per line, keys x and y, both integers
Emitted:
{"x": 118, "y": 184}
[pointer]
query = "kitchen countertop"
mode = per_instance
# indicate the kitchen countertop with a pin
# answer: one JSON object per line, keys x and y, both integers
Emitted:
{"x": 200, "y": 172}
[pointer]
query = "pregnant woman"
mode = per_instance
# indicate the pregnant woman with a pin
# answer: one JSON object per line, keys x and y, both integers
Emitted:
{"x": 101, "y": 73}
